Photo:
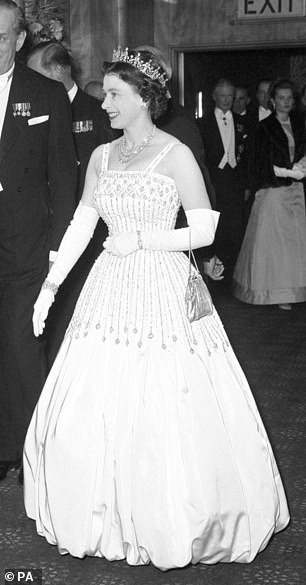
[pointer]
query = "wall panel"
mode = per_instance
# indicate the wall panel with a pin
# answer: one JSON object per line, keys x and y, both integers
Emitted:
{"x": 168, "y": 24}
{"x": 98, "y": 26}
{"x": 204, "y": 22}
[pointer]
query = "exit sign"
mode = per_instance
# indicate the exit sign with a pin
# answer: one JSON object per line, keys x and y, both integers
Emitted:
{"x": 255, "y": 9}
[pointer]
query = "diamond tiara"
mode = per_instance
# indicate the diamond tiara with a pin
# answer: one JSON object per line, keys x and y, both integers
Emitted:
{"x": 146, "y": 67}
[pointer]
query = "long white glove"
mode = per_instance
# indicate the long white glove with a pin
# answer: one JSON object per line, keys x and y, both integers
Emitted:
{"x": 73, "y": 244}
{"x": 295, "y": 173}
{"x": 201, "y": 231}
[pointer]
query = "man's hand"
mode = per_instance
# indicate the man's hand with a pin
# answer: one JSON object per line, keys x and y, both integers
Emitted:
{"x": 214, "y": 268}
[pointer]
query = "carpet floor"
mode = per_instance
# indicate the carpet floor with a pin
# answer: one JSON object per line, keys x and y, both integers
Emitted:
{"x": 271, "y": 347}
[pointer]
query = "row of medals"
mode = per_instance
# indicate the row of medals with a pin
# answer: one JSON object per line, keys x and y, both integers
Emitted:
{"x": 24, "y": 109}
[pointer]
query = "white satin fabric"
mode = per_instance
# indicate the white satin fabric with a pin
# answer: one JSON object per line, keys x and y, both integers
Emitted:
{"x": 146, "y": 442}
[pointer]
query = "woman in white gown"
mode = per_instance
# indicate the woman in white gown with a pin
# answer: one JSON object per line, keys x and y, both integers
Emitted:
{"x": 146, "y": 443}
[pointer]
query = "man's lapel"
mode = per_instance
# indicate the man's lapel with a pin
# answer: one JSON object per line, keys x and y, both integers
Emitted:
{"x": 215, "y": 132}
{"x": 21, "y": 92}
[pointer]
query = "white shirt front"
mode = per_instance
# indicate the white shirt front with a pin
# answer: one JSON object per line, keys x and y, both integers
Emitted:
{"x": 263, "y": 113}
{"x": 5, "y": 86}
{"x": 227, "y": 130}
{"x": 72, "y": 92}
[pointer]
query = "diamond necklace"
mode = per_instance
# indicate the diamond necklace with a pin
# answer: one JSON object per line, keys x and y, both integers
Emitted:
{"x": 125, "y": 154}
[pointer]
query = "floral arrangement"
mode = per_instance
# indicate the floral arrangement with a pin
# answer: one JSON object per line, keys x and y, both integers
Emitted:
{"x": 45, "y": 20}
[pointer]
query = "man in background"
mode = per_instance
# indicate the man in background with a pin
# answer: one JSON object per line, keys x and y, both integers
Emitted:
{"x": 90, "y": 124}
{"x": 241, "y": 107}
{"x": 224, "y": 137}
{"x": 37, "y": 200}
{"x": 262, "y": 107}
{"x": 241, "y": 100}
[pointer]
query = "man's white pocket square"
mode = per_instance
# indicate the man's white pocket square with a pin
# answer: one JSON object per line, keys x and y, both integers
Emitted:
{"x": 38, "y": 120}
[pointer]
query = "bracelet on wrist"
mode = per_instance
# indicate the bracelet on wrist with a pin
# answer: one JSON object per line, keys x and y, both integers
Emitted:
{"x": 139, "y": 240}
{"x": 47, "y": 284}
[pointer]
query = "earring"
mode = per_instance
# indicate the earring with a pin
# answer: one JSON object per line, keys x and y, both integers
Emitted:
{"x": 144, "y": 106}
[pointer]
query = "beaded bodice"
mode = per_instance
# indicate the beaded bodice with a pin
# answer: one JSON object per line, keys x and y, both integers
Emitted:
{"x": 136, "y": 200}
{"x": 138, "y": 299}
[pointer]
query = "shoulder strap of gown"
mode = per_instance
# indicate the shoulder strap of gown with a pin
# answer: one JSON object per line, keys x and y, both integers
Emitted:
{"x": 153, "y": 164}
{"x": 105, "y": 155}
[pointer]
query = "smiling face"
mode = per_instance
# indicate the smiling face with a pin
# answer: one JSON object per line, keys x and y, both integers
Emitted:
{"x": 122, "y": 103}
{"x": 10, "y": 40}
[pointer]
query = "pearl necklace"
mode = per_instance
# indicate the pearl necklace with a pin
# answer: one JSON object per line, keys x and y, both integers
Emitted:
{"x": 125, "y": 154}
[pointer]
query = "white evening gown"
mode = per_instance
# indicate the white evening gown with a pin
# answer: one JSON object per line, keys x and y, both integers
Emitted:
{"x": 271, "y": 267}
{"x": 146, "y": 442}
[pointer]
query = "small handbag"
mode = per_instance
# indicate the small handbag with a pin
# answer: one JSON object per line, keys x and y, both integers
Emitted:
{"x": 197, "y": 298}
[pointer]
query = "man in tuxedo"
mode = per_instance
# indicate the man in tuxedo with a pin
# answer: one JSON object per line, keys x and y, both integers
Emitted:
{"x": 257, "y": 110}
{"x": 224, "y": 137}
{"x": 91, "y": 127}
{"x": 241, "y": 100}
{"x": 263, "y": 109}
{"x": 37, "y": 199}
{"x": 241, "y": 107}
{"x": 90, "y": 124}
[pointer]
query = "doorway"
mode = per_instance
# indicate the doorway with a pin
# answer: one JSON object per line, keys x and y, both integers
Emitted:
{"x": 198, "y": 70}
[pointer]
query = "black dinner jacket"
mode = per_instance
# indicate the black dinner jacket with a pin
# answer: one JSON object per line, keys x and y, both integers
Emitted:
{"x": 87, "y": 109}
{"x": 271, "y": 148}
{"x": 37, "y": 173}
{"x": 213, "y": 145}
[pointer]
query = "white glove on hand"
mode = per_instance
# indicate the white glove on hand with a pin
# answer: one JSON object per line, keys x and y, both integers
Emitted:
{"x": 75, "y": 239}
{"x": 201, "y": 231}
{"x": 74, "y": 242}
{"x": 122, "y": 244}
{"x": 301, "y": 164}
{"x": 294, "y": 173}
{"x": 299, "y": 169}
{"x": 202, "y": 222}
{"x": 41, "y": 309}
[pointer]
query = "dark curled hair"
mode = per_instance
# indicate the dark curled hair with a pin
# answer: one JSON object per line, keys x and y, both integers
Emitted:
{"x": 281, "y": 84}
{"x": 151, "y": 91}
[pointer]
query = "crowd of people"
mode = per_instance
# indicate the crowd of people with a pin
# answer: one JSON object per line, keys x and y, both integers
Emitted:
{"x": 246, "y": 140}
{"x": 134, "y": 429}
{"x": 271, "y": 268}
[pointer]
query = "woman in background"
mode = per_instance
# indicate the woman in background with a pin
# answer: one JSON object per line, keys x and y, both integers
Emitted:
{"x": 271, "y": 266}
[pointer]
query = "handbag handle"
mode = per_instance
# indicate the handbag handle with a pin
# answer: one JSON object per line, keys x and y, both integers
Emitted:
{"x": 191, "y": 255}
